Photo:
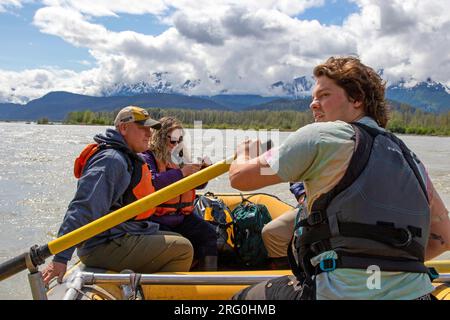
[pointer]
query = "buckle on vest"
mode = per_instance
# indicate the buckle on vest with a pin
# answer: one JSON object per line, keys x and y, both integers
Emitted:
{"x": 327, "y": 265}
{"x": 318, "y": 247}
{"x": 408, "y": 239}
{"x": 315, "y": 217}
{"x": 432, "y": 273}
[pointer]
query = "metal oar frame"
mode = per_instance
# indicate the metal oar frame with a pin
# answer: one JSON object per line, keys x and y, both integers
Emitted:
{"x": 38, "y": 254}
{"x": 35, "y": 257}
{"x": 130, "y": 282}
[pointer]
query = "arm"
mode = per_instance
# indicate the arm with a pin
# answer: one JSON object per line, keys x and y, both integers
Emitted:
{"x": 248, "y": 173}
{"x": 161, "y": 179}
{"x": 206, "y": 162}
{"x": 439, "y": 239}
{"x": 102, "y": 184}
{"x": 317, "y": 154}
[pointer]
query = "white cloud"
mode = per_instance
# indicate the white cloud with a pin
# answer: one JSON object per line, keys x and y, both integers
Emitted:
{"x": 262, "y": 24}
{"x": 409, "y": 39}
{"x": 207, "y": 31}
{"x": 9, "y": 4}
{"x": 71, "y": 26}
{"x": 84, "y": 62}
{"x": 111, "y": 8}
{"x": 37, "y": 82}
{"x": 247, "y": 45}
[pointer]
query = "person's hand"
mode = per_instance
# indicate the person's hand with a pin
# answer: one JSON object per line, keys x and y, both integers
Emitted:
{"x": 206, "y": 162}
{"x": 190, "y": 168}
{"x": 248, "y": 149}
{"x": 54, "y": 269}
{"x": 204, "y": 165}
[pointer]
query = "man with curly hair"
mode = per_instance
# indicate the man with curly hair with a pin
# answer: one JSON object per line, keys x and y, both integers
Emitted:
{"x": 372, "y": 208}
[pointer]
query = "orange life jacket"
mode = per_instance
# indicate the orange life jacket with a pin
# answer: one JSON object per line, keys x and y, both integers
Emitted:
{"x": 141, "y": 177}
{"x": 183, "y": 203}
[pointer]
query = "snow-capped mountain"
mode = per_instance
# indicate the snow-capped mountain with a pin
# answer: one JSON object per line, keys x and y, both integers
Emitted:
{"x": 428, "y": 95}
{"x": 158, "y": 82}
{"x": 190, "y": 84}
{"x": 297, "y": 88}
{"x": 155, "y": 84}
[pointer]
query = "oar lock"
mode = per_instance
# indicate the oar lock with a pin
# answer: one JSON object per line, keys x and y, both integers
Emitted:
{"x": 34, "y": 259}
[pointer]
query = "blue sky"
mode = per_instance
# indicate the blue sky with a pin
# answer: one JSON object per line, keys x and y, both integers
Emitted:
{"x": 93, "y": 47}
{"x": 333, "y": 13}
{"x": 26, "y": 47}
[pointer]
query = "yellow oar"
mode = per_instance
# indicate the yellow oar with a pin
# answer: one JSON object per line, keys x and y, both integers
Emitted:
{"x": 37, "y": 255}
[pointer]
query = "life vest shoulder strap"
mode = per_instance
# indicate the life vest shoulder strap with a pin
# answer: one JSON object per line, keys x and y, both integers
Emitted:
{"x": 93, "y": 148}
{"x": 363, "y": 146}
{"x": 81, "y": 160}
{"x": 364, "y": 137}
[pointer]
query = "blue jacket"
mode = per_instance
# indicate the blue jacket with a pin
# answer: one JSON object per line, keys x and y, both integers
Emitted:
{"x": 103, "y": 182}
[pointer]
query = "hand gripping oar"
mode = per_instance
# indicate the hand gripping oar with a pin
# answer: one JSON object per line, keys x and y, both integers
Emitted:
{"x": 38, "y": 254}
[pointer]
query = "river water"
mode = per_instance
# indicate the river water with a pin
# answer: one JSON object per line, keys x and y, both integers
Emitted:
{"x": 37, "y": 183}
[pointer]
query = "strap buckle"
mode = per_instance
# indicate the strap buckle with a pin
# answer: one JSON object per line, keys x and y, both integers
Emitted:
{"x": 407, "y": 241}
{"x": 315, "y": 217}
{"x": 319, "y": 247}
{"x": 432, "y": 273}
{"x": 327, "y": 265}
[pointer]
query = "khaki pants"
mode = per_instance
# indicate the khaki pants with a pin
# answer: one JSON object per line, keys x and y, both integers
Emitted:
{"x": 277, "y": 234}
{"x": 161, "y": 252}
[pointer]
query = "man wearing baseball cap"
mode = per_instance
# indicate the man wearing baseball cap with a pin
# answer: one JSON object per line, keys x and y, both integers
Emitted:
{"x": 136, "y": 114}
{"x": 112, "y": 175}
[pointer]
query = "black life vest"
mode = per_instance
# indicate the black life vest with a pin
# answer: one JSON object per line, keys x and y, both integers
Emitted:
{"x": 378, "y": 214}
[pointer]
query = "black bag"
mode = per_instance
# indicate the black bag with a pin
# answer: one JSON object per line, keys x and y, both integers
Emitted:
{"x": 214, "y": 210}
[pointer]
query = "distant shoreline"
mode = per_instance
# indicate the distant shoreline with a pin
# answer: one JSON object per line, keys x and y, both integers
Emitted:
{"x": 403, "y": 120}
{"x": 58, "y": 123}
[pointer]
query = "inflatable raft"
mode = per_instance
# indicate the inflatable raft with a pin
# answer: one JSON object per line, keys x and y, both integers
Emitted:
{"x": 83, "y": 283}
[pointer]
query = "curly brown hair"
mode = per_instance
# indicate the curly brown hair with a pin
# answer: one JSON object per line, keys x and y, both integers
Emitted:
{"x": 360, "y": 82}
{"x": 158, "y": 142}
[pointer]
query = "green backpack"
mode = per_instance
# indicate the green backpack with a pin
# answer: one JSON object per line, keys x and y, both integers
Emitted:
{"x": 248, "y": 220}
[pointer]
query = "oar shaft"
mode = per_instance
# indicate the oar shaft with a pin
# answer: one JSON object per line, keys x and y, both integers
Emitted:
{"x": 125, "y": 213}
{"x": 112, "y": 219}
{"x": 35, "y": 257}
{"x": 13, "y": 266}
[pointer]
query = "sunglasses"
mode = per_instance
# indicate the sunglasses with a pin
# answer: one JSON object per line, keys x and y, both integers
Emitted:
{"x": 180, "y": 139}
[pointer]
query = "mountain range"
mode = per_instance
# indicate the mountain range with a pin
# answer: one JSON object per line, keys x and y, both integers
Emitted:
{"x": 428, "y": 96}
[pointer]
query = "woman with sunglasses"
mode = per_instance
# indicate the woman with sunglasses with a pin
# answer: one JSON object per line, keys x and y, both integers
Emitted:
{"x": 176, "y": 214}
